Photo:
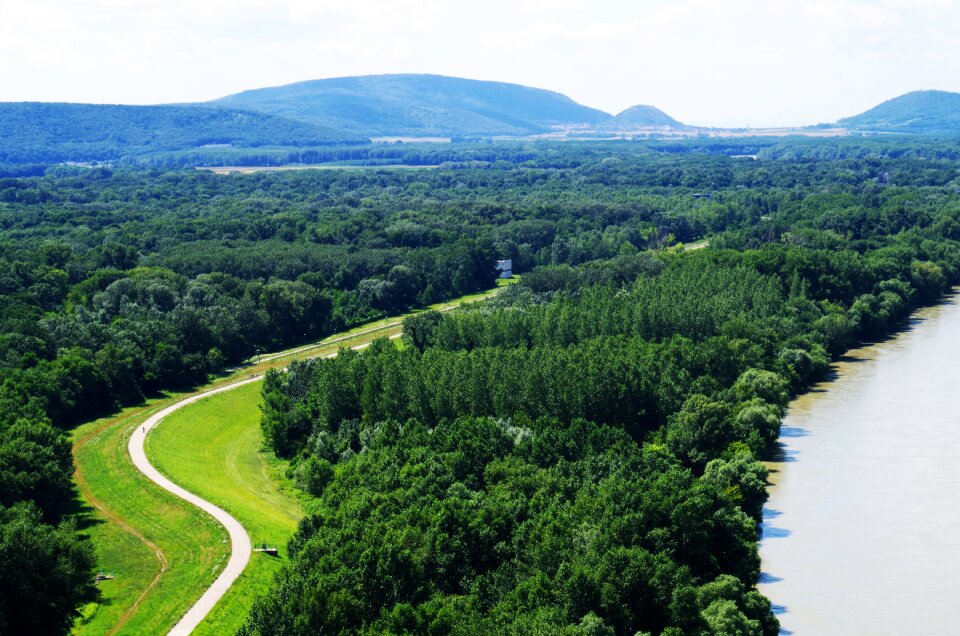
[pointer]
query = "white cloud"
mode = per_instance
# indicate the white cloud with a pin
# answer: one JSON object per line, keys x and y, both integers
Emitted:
{"x": 732, "y": 62}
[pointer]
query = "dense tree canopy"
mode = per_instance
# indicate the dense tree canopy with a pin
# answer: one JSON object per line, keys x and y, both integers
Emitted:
{"x": 46, "y": 573}
{"x": 578, "y": 455}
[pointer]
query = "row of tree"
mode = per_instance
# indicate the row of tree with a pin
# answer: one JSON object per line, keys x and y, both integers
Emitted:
{"x": 580, "y": 454}
{"x": 116, "y": 283}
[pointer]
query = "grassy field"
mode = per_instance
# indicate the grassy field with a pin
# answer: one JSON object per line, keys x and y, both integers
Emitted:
{"x": 163, "y": 552}
{"x": 214, "y": 448}
{"x": 696, "y": 245}
{"x": 134, "y": 519}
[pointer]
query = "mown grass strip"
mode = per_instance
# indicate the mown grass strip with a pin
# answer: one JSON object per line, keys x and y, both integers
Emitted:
{"x": 214, "y": 448}
{"x": 121, "y": 509}
{"x": 190, "y": 541}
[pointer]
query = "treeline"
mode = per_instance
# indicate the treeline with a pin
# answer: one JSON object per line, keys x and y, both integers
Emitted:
{"x": 118, "y": 283}
{"x": 408, "y": 154}
{"x": 130, "y": 333}
{"x": 865, "y": 147}
{"x": 579, "y": 455}
{"x": 37, "y": 132}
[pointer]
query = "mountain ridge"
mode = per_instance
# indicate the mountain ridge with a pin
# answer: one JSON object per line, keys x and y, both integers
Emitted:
{"x": 418, "y": 105}
{"x": 354, "y": 109}
{"x": 63, "y": 131}
{"x": 923, "y": 111}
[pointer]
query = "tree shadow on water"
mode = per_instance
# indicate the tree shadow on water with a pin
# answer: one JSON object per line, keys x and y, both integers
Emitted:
{"x": 848, "y": 359}
{"x": 771, "y": 532}
{"x": 778, "y": 612}
{"x": 780, "y": 454}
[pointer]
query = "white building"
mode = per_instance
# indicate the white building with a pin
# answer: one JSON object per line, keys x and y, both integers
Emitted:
{"x": 505, "y": 267}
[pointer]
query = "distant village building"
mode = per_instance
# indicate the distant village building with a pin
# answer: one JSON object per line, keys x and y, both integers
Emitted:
{"x": 505, "y": 267}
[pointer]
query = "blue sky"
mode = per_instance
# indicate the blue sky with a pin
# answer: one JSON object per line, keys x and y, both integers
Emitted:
{"x": 708, "y": 62}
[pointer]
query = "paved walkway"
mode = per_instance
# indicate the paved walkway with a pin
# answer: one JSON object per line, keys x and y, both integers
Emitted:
{"x": 240, "y": 547}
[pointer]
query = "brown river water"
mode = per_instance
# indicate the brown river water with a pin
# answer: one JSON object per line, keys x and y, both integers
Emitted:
{"x": 861, "y": 534}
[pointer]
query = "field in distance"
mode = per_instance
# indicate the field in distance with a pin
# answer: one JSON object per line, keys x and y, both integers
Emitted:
{"x": 252, "y": 169}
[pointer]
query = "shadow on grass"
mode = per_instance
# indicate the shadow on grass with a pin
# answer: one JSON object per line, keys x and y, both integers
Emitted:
{"x": 82, "y": 513}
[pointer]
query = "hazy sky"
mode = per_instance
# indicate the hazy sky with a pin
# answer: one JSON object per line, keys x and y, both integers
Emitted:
{"x": 709, "y": 62}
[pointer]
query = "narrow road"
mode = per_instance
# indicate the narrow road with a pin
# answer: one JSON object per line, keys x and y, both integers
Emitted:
{"x": 240, "y": 546}
{"x": 112, "y": 517}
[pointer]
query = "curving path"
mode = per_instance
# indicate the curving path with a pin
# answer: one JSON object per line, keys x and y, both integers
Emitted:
{"x": 240, "y": 547}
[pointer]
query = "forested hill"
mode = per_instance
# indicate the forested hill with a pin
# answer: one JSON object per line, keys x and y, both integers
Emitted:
{"x": 643, "y": 116}
{"x": 418, "y": 105}
{"x": 52, "y": 132}
{"x": 916, "y": 112}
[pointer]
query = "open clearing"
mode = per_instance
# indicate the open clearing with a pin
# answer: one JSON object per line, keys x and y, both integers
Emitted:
{"x": 214, "y": 448}
{"x": 123, "y": 510}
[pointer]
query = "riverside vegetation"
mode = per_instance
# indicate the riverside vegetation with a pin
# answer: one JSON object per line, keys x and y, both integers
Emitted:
{"x": 211, "y": 447}
{"x": 573, "y": 457}
{"x": 577, "y": 456}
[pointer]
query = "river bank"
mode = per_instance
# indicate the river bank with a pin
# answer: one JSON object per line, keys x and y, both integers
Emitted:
{"x": 859, "y": 533}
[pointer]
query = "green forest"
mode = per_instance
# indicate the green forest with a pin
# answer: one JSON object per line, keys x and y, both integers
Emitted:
{"x": 579, "y": 455}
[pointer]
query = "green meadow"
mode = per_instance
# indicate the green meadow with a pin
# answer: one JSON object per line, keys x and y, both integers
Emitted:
{"x": 163, "y": 552}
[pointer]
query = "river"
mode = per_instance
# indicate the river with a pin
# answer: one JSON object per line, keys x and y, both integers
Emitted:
{"x": 861, "y": 534}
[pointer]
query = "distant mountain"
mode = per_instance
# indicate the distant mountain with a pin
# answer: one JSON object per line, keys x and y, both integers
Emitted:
{"x": 291, "y": 121}
{"x": 51, "y": 132}
{"x": 418, "y": 105}
{"x": 642, "y": 116}
{"x": 916, "y": 112}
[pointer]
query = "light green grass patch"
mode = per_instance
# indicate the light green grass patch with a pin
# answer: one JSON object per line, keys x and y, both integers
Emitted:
{"x": 224, "y": 429}
{"x": 192, "y": 542}
{"x": 214, "y": 448}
